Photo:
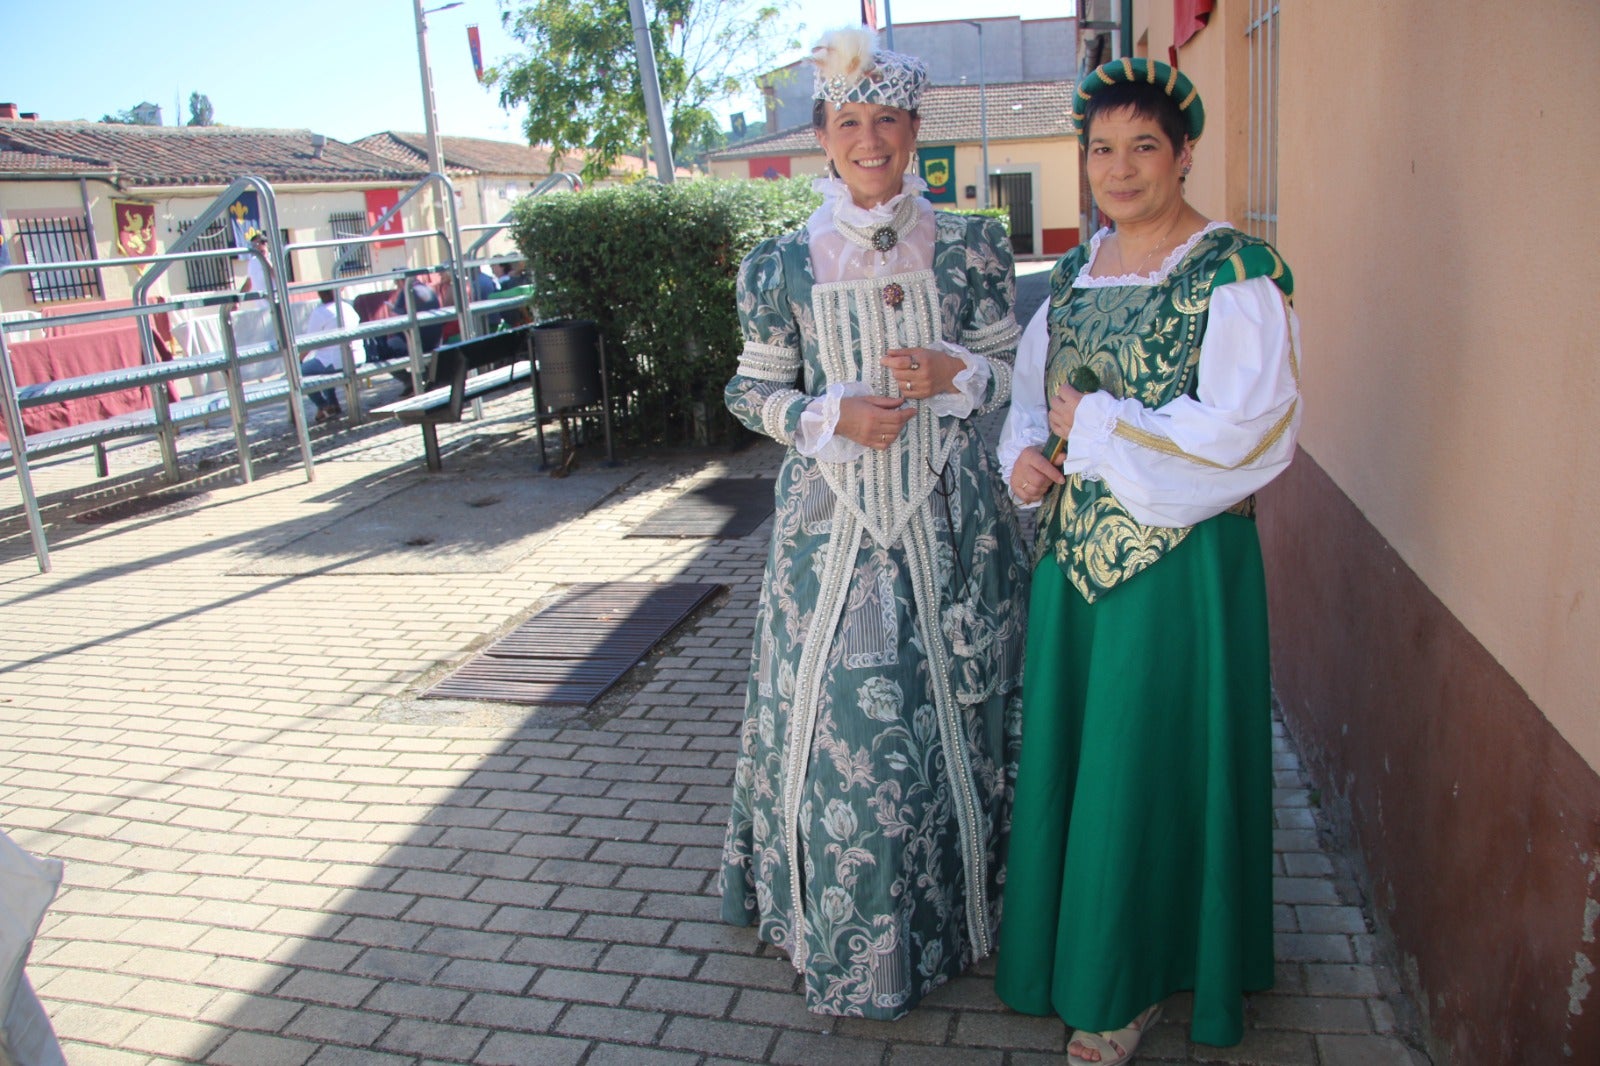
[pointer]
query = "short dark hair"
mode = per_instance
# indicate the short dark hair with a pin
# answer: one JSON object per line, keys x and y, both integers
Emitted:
{"x": 262, "y": 237}
{"x": 327, "y": 296}
{"x": 1144, "y": 100}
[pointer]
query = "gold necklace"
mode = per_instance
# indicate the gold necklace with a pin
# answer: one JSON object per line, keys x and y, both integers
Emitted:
{"x": 1138, "y": 267}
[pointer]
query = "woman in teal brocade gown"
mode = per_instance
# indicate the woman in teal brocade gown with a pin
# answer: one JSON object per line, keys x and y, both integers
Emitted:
{"x": 1141, "y": 858}
{"x": 873, "y": 786}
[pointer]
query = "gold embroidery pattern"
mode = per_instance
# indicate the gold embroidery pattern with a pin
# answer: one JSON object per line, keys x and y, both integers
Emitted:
{"x": 1142, "y": 341}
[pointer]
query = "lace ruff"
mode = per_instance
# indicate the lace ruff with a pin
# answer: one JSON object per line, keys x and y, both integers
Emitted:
{"x": 1155, "y": 277}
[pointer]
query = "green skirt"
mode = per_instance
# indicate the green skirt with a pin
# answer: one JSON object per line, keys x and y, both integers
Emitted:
{"x": 1141, "y": 842}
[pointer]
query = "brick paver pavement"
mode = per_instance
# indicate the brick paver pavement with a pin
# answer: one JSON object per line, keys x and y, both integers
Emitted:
{"x": 277, "y": 855}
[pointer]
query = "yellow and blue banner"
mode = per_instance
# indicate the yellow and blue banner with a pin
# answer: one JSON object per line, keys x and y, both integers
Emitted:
{"x": 938, "y": 167}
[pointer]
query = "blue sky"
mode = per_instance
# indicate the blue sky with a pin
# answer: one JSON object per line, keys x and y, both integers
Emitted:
{"x": 345, "y": 68}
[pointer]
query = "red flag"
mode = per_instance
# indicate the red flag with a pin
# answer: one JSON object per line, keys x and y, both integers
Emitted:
{"x": 477, "y": 50}
{"x": 869, "y": 14}
{"x": 1189, "y": 17}
{"x": 379, "y": 201}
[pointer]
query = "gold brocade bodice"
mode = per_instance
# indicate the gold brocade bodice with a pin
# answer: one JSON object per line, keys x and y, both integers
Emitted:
{"x": 1143, "y": 342}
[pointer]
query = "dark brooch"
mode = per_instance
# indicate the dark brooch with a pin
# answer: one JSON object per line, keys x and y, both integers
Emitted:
{"x": 893, "y": 294}
{"x": 884, "y": 238}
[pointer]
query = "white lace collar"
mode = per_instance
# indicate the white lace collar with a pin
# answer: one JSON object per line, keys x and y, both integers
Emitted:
{"x": 837, "y": 201}
{"x": 1155, "y": 277}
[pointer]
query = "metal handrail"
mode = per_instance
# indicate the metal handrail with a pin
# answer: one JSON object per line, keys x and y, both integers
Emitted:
{"x": 282, "y": 321}
{"x": 458, "y": 281}
{"x": 286, "y": 344}
{"x": 549, "y": 184}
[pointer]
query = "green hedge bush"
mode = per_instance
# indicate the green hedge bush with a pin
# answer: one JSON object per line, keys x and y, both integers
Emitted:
{"x": 654, "y": 267}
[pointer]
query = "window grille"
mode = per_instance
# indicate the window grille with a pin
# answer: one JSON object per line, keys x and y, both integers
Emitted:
{"x": 213, "y": 273}
{"x": 351, "y": 258}
{"x": 58, "y": 240}
{"x": 288, "y": 257}
{"x": 1261, "y": 198}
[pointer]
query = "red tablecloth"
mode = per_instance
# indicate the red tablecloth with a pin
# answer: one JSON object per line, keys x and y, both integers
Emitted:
{"x": 160, "y": 322}
{"x": 81, "y": 352}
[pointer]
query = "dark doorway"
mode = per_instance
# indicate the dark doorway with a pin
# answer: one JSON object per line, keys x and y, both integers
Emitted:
{"x": 1014, "y": 192}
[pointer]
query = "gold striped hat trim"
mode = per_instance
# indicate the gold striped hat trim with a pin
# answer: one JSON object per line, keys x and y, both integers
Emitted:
{"x": 1127, "y": 69}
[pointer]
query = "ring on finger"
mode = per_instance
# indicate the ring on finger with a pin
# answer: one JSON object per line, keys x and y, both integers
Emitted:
{"x": 915, "y": 365}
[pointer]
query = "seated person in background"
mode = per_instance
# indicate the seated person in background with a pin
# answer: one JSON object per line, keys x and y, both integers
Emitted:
{"x": 393, "y": 345}
{"x": 514, "y": 276}
{"x": 331, "y": 314}
{"x": 484, "y": 287}
{"x": 511, "y": 275}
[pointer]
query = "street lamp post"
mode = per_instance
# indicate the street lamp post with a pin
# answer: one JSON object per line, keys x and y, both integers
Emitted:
{"x": 440, "y": 188}
{"x": 650, "y": 86}
{"x": 430, "y": 114}
{"x": 983, "y": 118}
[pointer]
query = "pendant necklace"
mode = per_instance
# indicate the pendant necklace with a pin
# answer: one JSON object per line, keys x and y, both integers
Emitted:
{"x": 883, "y": 237}
{"x": 1153, "y": 249}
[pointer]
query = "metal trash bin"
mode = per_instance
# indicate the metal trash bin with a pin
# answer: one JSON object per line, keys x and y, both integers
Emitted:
{"x": 566, "y": 355}
{"x": 569, "y": 379}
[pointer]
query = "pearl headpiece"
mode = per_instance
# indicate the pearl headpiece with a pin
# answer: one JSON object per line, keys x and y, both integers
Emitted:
{"x": 850, "y": 70}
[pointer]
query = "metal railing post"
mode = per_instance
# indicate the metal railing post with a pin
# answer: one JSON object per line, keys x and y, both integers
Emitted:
{"x": 19, "y": 454}
{"x": 234, "y": 383}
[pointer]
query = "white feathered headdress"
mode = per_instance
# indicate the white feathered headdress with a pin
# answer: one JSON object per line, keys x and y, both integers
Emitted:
{"x": 850, "y": 69}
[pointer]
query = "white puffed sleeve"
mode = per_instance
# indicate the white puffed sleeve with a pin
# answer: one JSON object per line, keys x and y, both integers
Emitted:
{"x": 1028, "y": 421}
{"x": 1193, "y": 458}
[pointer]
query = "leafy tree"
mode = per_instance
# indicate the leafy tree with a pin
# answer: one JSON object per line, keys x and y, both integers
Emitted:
{"x": 579, "y": 75}
{"x": 141, "y": 114}
{"x": 200, "y": 113}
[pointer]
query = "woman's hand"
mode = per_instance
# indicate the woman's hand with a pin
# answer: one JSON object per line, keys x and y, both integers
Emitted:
{"x": 873, "y": 420}
{"x": 1063, "y": 410}
{"x": 1033, "y": 475}
{"x": 922, "y": 372}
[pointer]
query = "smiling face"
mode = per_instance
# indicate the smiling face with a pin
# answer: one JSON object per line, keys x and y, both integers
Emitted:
{"x": 1134, "y": 170}
{"x": 870, "y": 145}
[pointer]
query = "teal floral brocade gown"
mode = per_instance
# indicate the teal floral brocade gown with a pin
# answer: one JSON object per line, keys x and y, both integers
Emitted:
{"x": 880, "y": 738}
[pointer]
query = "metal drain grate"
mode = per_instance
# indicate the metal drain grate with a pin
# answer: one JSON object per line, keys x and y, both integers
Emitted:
{"x": 574, "y": 650}
{"x": 722, "y": 508}
{"x": 159, "y": 503}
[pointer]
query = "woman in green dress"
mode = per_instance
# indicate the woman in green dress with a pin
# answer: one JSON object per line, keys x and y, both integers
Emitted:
{"x": 1166, "y": 361}
{"x": 873, "y": 787}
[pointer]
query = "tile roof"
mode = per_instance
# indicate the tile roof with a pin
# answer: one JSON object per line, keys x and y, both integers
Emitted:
{"x": 463, "y": 155}
{"x": 13, "y": 161}
{"x": 1018, "y": 111}
{"x": 476, "y": 155}
{"x": 196, "y": 155}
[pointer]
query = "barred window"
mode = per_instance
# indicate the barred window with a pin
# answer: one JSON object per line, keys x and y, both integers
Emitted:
{"x": 1261, "y": 196}
{"x": 58, "y": 240}
{"x": 213, "y": 273}
{"x": 351, "y": 258}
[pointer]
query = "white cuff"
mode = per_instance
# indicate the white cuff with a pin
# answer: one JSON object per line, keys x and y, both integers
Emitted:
{"x": 970, "y": 384}
{"x": 1093, "y": 423}
{"x": 815, "y": 436}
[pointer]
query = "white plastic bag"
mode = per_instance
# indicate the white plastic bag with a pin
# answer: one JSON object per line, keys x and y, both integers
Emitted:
{"x": 27, "y": 885}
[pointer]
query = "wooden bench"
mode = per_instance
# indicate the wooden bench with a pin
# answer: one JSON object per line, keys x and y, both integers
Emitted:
{"x": 463, "y": 371}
